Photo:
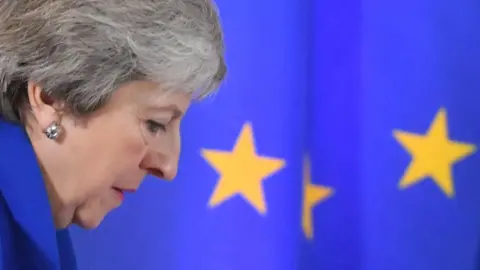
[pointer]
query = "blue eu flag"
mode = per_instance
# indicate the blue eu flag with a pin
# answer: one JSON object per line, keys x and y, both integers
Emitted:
{"x": 394, "y": 133}
{"x": 384, "y": 93}
{"x": 241, "y": 172}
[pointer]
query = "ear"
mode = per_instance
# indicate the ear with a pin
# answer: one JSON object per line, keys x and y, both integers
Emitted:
{"x": 42, "y": 106}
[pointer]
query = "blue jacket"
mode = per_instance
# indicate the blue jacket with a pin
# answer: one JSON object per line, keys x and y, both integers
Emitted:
{"x": 28, "y": 238}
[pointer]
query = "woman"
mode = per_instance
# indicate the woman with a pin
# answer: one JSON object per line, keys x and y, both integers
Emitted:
{"x": 92, "y": 95}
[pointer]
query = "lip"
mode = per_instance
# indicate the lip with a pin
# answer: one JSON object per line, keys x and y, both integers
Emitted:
{"x": 127, "y": 190}
{"x": 121, "y": 192}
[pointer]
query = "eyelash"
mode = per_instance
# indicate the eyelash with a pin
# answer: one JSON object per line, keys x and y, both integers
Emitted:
{"x": 154, "y": 126}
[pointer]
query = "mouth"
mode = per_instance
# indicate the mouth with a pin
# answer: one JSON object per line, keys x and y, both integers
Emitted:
{"x": 121, "y": 192}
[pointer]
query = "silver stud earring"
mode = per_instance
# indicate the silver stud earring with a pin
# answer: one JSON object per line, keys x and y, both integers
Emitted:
{"x": 53, "y": 131}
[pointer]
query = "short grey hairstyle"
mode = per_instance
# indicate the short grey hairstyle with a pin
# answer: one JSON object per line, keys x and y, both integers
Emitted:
{"x": 80, "y": 52}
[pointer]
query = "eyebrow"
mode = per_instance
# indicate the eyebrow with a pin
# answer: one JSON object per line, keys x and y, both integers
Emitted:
{"x": 172, "y": 107}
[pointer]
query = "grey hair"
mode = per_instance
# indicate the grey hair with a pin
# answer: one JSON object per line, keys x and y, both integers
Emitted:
{"x": 80, "y": 52}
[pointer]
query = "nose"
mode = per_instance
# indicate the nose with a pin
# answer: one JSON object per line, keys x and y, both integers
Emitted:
{"x": 161, "y": 166}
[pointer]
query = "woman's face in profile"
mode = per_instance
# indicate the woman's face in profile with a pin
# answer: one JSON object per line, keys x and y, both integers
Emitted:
{"x": 112, "y": 150}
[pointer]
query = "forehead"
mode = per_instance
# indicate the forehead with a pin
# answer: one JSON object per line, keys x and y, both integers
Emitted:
{"x": 150, "y": 96}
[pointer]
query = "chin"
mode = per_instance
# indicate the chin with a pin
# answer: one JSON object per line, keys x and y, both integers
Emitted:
{"x": 88, "y": 223}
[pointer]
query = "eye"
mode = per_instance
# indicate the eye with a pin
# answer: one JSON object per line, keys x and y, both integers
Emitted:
{"x": 154, "y": 127}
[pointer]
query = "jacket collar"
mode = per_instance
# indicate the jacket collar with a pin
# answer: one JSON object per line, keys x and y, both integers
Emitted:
{"x": 24, "y": 190}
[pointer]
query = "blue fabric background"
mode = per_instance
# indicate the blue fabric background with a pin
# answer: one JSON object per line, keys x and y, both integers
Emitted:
{"x": 332, "y": 79}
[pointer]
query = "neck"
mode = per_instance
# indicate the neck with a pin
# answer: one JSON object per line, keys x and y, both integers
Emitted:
{"x": 62, "y": 212}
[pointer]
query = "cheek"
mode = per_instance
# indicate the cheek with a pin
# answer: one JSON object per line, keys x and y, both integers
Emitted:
{"x": 109, "y": 160}
{"x": 125, "y": 155}
{"x": 110, "y": 149}
{"x": 131, "y": 149}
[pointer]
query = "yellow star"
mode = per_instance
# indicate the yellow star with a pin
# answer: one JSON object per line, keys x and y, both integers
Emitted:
{"x": 312, "y": 195}
{"x": 242, "y": 171}
{"x": 433, "y": 155}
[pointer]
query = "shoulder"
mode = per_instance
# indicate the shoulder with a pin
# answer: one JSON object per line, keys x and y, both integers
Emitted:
{"x": 5, "y": 219}
{"x": 26, "y": 224}
{"x": 18, "y": 249}
{"x": 7, "y": 234}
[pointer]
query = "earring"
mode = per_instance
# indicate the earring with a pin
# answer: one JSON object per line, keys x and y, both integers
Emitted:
{"x": 53, "y": 131}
